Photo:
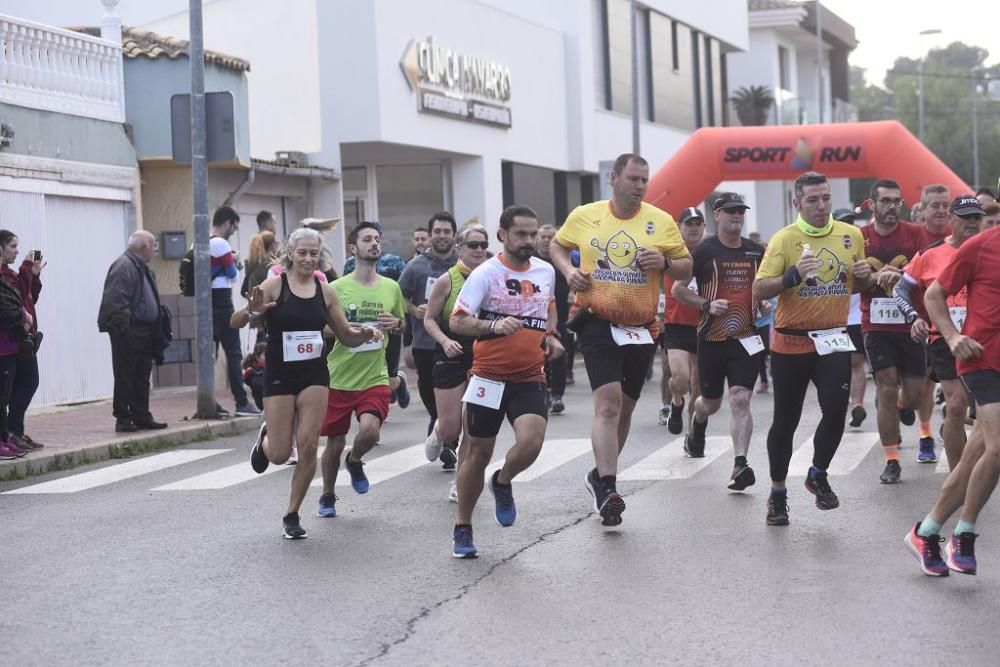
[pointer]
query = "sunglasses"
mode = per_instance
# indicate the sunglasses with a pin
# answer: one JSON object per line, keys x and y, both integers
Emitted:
{"x": 476, "y": 245}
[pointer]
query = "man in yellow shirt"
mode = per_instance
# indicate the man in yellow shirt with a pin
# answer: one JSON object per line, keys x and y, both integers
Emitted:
{"x": 625, "y": 247}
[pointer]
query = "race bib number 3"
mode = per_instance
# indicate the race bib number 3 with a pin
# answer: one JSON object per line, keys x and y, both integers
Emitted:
{"x": 630, "y": 335}
{"x": 302, "y": 345}
{"x": 958, "y": 316}
{"x": 885, "y": 311}
{"x": 829, "y": 341}
{"x": 481, "y": 391}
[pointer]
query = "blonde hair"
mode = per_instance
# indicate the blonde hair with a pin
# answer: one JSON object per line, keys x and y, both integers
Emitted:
{"x": 468, "y": 229}
{"x": 262, "y": 246}
{"x": 300, "y": 234}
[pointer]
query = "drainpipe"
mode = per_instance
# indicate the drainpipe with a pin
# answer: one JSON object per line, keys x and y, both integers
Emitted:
{"x": 242, "y": 187}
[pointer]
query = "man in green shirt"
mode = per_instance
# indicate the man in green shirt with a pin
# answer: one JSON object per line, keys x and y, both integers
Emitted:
{"x": 359, "y": 378}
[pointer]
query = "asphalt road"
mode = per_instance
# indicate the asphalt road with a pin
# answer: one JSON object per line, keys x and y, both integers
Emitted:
{"x": 129, "y": 572}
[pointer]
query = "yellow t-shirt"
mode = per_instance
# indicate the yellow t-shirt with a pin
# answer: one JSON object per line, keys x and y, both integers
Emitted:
{"x": 813, "y": 305}
{"x": 608, "y": 245}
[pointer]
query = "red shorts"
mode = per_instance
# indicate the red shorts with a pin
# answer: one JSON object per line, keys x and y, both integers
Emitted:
{"x": 341, "y": 404}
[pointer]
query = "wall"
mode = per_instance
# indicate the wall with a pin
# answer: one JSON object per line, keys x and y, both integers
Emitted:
{"x": 47, "y": 134}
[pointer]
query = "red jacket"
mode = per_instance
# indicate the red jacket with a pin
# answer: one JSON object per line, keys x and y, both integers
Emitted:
{"x": 28, "y": 284}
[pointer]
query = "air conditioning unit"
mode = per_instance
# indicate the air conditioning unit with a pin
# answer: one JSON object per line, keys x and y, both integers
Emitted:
{"x": 292, "y": 158}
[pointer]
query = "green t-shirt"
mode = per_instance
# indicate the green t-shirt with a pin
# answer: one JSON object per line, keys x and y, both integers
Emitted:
{"x": 354, "y": 369}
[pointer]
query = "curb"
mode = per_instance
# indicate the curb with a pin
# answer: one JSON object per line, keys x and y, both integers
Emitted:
{"x": 41, "y": 462}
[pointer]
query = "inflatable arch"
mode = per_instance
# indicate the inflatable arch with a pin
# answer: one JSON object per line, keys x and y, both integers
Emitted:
{"x": 881, "y": 149}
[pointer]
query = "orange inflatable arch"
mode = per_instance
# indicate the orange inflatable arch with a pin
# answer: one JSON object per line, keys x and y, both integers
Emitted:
{"x": 881, "y": 149}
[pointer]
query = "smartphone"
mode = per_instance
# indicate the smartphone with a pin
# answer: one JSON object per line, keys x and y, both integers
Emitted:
{"x": 37, "y": 255}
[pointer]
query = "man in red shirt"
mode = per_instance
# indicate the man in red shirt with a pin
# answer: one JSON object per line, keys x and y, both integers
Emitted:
{"x": 976, "y": 269}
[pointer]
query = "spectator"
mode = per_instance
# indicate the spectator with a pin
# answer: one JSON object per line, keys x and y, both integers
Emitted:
{"x": 986, "y": 196}
{"x": 421, "y": 239}
{"x": 267, "y": 223}
{"x": 129, "y": 313}
{"x": 253, "y": 373}
{"x": 263, "y": 253}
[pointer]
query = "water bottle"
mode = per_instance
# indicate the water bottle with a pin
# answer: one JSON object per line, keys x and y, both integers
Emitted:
{"x": 810, "y": 278}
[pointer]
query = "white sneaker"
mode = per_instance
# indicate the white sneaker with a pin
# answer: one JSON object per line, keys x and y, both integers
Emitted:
{"x": 453, "y": 492}
{"x": 432, "y": 445}
{"x": 294, "y": 458}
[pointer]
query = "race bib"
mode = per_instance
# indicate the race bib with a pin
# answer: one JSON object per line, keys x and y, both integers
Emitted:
{"x": 481, "y": 391}
{"x": 302, "y": 345}
{"x": 752, "y": 344}
{"x": 693, "y": 285}
{"x": 630, "y": 335}
{"x": 430, "y": 286}
{"x": 829, "y": 341}
{"x": 661, "y": 306}
{"x": 958, "y": 316}
{"x": 370, "y": 345}
{"x": 885, "y": 311}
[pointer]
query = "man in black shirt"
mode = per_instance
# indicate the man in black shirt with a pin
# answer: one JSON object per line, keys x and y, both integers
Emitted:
{"x": 555, "y": 370}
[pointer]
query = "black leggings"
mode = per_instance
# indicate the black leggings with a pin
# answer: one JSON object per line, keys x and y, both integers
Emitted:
{"x": 791, "y": 374}
{"x": 424, "y": 360}
{"x": 8, "y": 363}
{"x": 765, "y": 335}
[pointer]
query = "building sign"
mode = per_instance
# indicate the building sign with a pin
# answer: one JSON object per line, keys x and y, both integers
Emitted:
{"x": 453, "y": 84}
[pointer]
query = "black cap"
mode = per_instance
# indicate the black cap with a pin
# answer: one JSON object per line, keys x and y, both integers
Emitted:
{"x": 690, "y": 213}
{"x": 845, "y": 215}
{"x": 966, "y": 205}
{"x": 729, "y": 200}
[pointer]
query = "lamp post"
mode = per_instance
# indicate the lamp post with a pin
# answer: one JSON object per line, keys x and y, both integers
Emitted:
{"x": 920, "y": 81}
{"x": 975, "y": 125}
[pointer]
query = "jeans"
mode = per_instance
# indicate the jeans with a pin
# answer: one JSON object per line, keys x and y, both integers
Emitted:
{"x": 222, "y": 311}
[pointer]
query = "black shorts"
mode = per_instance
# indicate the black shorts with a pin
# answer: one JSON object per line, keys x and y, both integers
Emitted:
{"x": 288, "y": 379}
{"x": 888, "y": 349}
{"x": 941, "y": 361}
{"x": 854, "y": 332}
{"x": 519, "y": 398}
{"x": 725, "y": 360}
{"x": 983, "y": 385}
{"x": 607, "y": 362}
{"x": 680, "y": 337}
{"x": 450, "y": 373}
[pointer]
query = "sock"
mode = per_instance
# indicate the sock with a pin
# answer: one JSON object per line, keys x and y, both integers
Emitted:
{"x": 352, "y": 458}
{"x": 925, "y": 430}
{"x": 741, "y": 460}
{"x": 964, "y": 527}
{"x": 928, "y": 527}
{"x": 859, "y": 404}
{"x": 815, "y": 472}
{"x": 891, "y": 452}
{"x": 779, "y": 492}
{"x": 608, "y": 482}
{"x": 496, "y": 480}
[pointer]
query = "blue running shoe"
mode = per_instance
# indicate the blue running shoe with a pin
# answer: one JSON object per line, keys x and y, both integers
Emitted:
{"x": 464, "y": 548}
{"x": 402, "y": 394}
{"x": 926, "y": 453}
{"x": 359, "y": 480}
{"x": 328, "y": 505}
{"x": 960, "y": 553}
{"x": 505, "y": 512}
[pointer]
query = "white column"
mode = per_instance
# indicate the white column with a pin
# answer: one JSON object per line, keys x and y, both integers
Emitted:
{"x": 478, "y": 190}
{"x": 111, "y": 31}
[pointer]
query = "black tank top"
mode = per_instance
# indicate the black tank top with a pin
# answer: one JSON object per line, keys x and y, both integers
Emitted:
{"x": 293, "y": 313}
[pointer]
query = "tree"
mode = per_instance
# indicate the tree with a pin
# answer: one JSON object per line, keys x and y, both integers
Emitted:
{"x": 752, "y": 104}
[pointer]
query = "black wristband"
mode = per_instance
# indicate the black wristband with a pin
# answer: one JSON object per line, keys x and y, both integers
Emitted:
{"x": 792, "y": 278}
{"x": 705, "y": 306}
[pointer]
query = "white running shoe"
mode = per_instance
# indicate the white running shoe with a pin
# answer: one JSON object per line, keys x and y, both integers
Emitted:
{"x": 453, "y": 492}
{"x": 294, "y": 458}
{"x": 432, "y": 445}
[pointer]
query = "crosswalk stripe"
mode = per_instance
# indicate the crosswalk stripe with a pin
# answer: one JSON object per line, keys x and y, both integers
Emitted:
{"x": 119, "y": 472}
{"x": 221, "y": 478}
{"x": 384, "y": 467}
{"x": 854, "y": 447}
{"x": 670, "y": 461}
{"x": 554, "y": 454}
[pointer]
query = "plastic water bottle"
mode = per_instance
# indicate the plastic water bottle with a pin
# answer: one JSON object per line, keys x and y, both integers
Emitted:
{"x": 810, "y": 278}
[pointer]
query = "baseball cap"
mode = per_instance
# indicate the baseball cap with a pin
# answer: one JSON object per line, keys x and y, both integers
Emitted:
{"x": 729, "y": 200}
{"x": 690, "y": 213}
{"x": 845, "y": 215}
{"x": 966, "y": 205}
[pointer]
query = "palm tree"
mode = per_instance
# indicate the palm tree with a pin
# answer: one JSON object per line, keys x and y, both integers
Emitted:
{"x": 752, "y": 104}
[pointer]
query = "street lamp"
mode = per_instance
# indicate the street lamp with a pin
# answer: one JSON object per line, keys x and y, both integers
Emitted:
{"x": 920, "y": 81}
{"x": 975, "y": 125}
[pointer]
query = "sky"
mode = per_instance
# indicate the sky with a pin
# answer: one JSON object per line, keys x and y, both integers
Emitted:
{"x": 887, "y": 29}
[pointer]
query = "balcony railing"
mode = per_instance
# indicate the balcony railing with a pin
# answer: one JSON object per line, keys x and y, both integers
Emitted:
{"x": 42, "y": 67}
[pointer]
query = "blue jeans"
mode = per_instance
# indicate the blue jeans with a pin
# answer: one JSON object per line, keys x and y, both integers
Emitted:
{"x": 25, "y": 385}
{"x": 222, "y": 311}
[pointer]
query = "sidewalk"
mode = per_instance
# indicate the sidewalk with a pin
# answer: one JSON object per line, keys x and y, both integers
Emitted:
{"x": 79, "y": 434}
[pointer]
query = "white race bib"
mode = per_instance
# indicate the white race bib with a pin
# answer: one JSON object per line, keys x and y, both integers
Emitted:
{"x": 693, "y": 285}
{"x": 370, "y": 345}
{"x": 630, "y": 335}
{"x": 430, "y": 286}
{"x": 885, "y": 311}
{"x": 661, "y": 306}
{"x": 481, "y": 391}
{"x": 829, "y": 341}
{"x": 302, "y": 345}
{"x": 958, "y": 316}
{"x": 752, "y": 344}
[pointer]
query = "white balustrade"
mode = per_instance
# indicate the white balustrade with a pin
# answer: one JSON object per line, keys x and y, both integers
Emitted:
{"x": 42, "y": 67}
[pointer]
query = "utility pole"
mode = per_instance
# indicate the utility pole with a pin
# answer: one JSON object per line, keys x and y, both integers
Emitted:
{"x": 634, "y": 17}
{"x": 199, "y": 185}
{"x": 975, "y": 127}
{"x": 819, "y": 61}
{"x": 920, "y": 81}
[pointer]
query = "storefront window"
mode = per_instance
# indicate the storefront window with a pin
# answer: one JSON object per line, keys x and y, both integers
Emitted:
{"x": 407, "y": 196}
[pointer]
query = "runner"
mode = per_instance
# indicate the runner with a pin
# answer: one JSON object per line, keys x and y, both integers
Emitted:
{"x": 812, "y": 266}
{"x": 359, "y": 376}
{"x": 920, "y": 273}
{"x": 508, "y": 304}
{"x": 296, "y": 306}
{"x": 680, "y": 334}
{"x": 725, "y": 266}
{"x": 625, "y": 245}
{"x": 453, "y": 354}
{"x": 975, "y": 269}
{"x": 991, "y": 212}
{"x": 555, "y": 371}
{"x": 859, "y": 380}
{"x": 897, "y": 361}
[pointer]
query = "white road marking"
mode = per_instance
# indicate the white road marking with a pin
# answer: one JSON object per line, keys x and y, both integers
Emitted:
{"x": 554, "y": 454}
{"x": 670, "y": 461}
{"x": 222, "y": 478}
{"x": 854, "y": 447}
{"x": 384, "y": 467}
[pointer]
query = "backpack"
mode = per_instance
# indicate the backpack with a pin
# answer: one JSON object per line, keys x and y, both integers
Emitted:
{"x": 11, "y": 306}
{"x": 186, "y": 273}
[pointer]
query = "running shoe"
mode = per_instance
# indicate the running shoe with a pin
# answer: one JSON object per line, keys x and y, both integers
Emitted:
{"x": 6, "y": 453}
{"x": 247, "y": 409}
{"x": 293, "y": 458}
{"x": 328, "y": 505}
{"x": 403, "y": 393}
{"x": 432, "y": 445}
{"x": 13, "y": 446}
{"x": 558, "y": 407}
{"x": 858, "y": 415}
{"x": 449, "y": 455}
{"x": 291, "y": 528}
{"x": 20, "y": 442}
{"x": 777, "y": 510}
{"x": 960, "y": 553}
{"x": 926, "y": 453}
{"x": 28, "y": 439}
{"x": 891, "y": 473}
{"x": 742, "y": 478}
{"x": 221, "y": 412}
{"x": 258, "y": 460}
{"x": 664, "y": 416}
{"x": 694, "y": 442}
{"x": 676, "y": 422}
{"x": 818, "y": 485}
{"x": 907, "y": 416}
{"x": 359, "y": 481}
{"x": 505, "y": 512}
{"x": 453, "y": 492}
{"x": 464, "y": 548}
{"x": 927, "y": 550}
{"x": 607, "y": 502}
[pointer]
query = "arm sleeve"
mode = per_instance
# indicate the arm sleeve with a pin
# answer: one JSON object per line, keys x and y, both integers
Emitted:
{"x": 398, "y": 308}
{"x": 903, "y": 298}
